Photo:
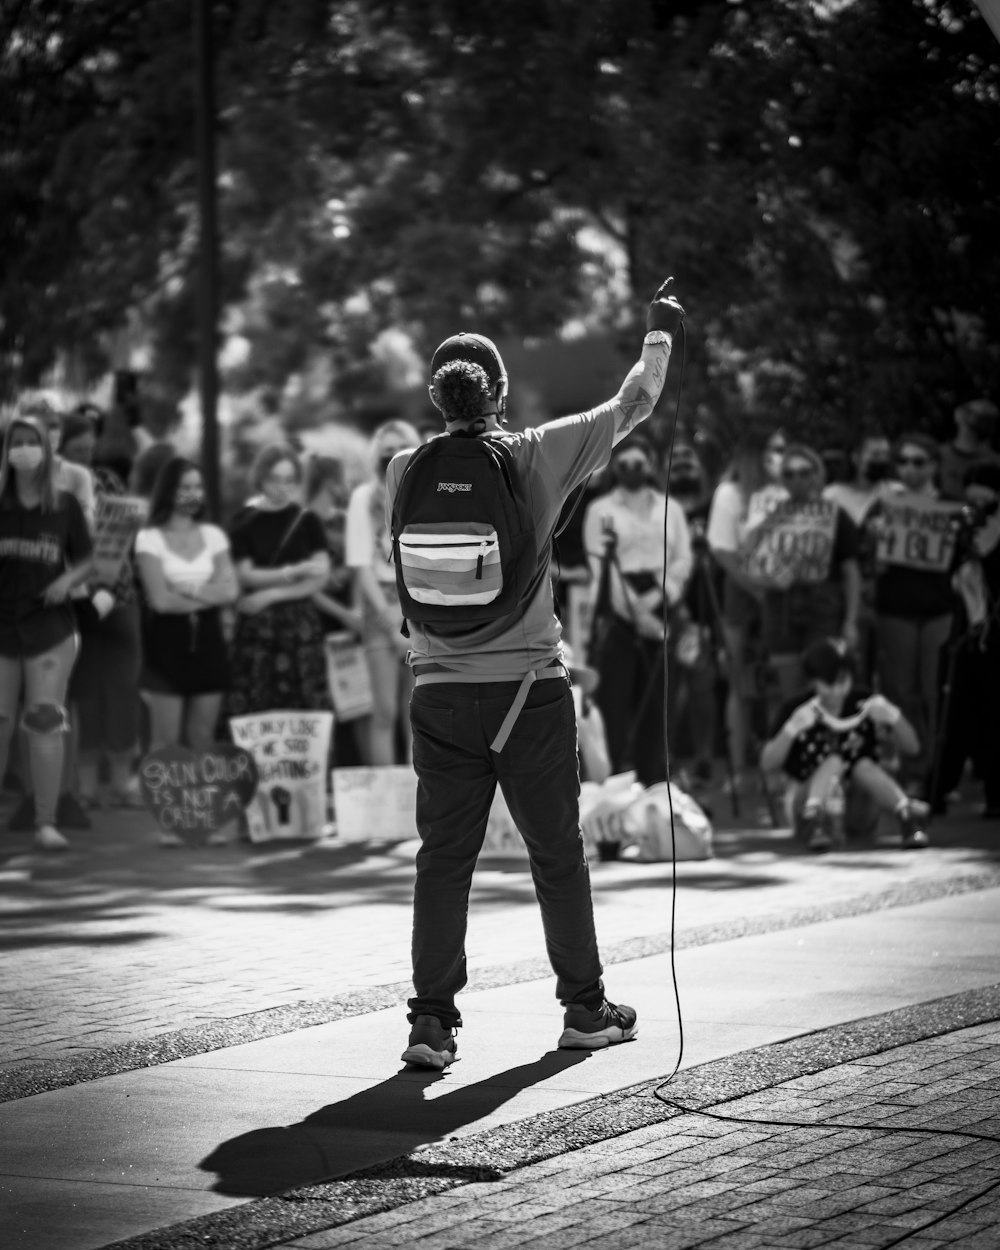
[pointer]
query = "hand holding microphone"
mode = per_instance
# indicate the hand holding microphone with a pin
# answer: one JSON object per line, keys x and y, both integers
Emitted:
{"x": 665, "y": 312}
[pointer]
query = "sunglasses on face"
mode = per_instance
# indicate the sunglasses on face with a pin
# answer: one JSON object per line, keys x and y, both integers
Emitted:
{"x": 918, "y": 462}
{"x": 797, "y": 474}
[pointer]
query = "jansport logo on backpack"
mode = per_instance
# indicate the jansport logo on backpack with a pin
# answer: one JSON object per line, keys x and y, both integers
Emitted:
{"x": 463, "y": 538}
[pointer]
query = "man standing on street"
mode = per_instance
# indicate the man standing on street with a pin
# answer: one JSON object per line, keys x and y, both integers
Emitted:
{"x": 481, "y": 712}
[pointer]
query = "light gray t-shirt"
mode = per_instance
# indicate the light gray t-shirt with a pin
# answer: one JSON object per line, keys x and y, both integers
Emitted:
{"x": 553, "y": 459}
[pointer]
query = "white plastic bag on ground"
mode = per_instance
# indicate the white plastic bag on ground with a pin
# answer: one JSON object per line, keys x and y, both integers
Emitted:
{"x": 645, "y": 826}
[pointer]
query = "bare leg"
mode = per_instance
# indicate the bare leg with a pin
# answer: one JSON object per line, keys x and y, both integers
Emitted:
{"x": 201, "y": 720}
{"x": 166, "y": 713}
{"x": 46, "y": 721}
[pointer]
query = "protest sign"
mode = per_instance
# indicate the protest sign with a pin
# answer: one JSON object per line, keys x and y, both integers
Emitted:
{"x": 793, "y": 544}
{"x": 347, "y": 676}
{"x": 290, "y": 750}
{"x": 119, "y": 519}
{"x": 915, "y": 532}
{"x": 193, "y": 794}
{"x": 375, "y": 804}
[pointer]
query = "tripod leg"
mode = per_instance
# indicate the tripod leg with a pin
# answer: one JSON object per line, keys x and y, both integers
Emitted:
{"x": 944, "y": 716}
{"x": 717, "y": 630}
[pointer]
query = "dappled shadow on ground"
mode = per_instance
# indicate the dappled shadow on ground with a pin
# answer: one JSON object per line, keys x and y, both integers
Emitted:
{"x": 377, "y": 1124}
{"x": 110, "y": 887}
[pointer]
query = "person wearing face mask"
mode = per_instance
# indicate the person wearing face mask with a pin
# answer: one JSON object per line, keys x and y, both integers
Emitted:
{"x": 623, "y": 534}
{"x": 45, "y": 555}
{"x": 872, "y": 478}
{"x": 828, "y": 736}
{"x": 74, "y": 479}
{"x": 975, "y": 431}
{"x": 186, "y": 574}
{"x": 970, "y": 705}
{"x": 369, "y": 554}
{"x": 280, "y": 553}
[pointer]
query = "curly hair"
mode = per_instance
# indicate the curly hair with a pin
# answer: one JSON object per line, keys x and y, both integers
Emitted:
{"x": 462, "y": 388}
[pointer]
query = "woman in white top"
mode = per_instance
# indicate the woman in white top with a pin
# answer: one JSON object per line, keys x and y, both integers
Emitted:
{"x": 187, "y": 575}
{"x": 369, "y": 555}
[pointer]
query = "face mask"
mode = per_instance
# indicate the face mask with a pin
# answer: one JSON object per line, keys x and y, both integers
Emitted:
{"x": 876, "y": 470}
{"x": 190, "y": 501}
{"x": 25, "y": 457}
{"x": 630, "y": 477}
{"x": 685, "y": 485}
{"x": 982, "y": 427}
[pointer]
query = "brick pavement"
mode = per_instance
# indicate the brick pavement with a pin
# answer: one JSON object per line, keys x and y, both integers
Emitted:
{"x": 123, "y": 941}
{"x": 898, "y": 1147}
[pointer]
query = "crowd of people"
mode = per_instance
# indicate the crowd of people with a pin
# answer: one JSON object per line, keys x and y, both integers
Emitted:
{"x": 835, "y": 627}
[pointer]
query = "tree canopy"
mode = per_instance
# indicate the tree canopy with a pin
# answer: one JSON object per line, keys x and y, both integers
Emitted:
{"x": 822, "y": 179}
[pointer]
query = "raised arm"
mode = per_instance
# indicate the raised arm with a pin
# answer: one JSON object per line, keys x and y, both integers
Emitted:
{"x": 641, "y": 389}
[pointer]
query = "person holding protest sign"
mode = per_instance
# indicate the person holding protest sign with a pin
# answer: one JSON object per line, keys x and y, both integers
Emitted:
{"x": 804, "y": 556}
{"x": 828, "y": 738}
{"x": 104, "y": 688}
{"x": 45, "y": 555}
{"x": 750, "y": 490}
{"x": 187, "y": 577}
{"x": 914, "y": 600}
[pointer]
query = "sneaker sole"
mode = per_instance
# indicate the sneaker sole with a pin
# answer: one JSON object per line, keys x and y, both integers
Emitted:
{"x": 573, "y": 1039}
{"x": 422, "y": 1056}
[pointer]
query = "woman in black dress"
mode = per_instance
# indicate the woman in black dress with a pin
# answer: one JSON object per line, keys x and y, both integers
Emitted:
{"x": 282, "y": 561}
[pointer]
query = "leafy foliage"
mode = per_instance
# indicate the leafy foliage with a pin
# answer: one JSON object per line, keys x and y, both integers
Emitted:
{"x": 821, "y": 179}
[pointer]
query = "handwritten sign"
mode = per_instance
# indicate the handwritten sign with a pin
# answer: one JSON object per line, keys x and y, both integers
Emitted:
{"x": 119, "y": 519}
{"x": 290, "y": 750}
{"x": 793, "y": 544}
{"x": 195, "y": 793}
{"x": 914, "y": 532}
{"x": 347, "y": 676}
{"x": 375, "y": 804}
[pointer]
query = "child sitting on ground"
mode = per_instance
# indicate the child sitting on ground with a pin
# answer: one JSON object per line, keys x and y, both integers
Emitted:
{"x": 829, "y": 737}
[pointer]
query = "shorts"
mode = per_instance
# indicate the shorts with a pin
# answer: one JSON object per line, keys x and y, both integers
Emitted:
{"x": 29, "y": 636}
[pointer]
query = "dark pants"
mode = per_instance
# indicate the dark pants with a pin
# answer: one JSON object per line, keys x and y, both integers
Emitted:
{"x": 457, "y": 773}
{"x": 630, "y": 697}
{"x": 971, "y": 729}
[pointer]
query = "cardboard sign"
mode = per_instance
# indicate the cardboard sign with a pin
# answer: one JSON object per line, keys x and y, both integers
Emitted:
{"x": 195, "y": 793}
{"x": 290, "y": 750}
{"x": 915, "y": 532}
{"x": 793, "y": 545}
{"x": 375, "y": 804}
{"x": 119, "y": 519}
{"x": 347, "y": 676}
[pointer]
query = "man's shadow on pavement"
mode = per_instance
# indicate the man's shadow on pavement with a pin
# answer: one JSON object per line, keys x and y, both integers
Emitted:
{"x": 380, "y": 1123}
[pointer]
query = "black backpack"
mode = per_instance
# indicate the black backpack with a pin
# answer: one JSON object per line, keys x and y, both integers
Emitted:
{"x": 463, "y": 537}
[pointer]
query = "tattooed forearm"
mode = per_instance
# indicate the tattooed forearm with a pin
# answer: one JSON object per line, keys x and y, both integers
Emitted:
{"x": 634, "y": 410}
{"x": 641, "y": 389}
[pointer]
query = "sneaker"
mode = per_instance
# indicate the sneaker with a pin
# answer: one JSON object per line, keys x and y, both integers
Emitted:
{"x": 812, "y": 831}
{"x": 431, "y": 1044}
{"x": 70, "y": 814}
{"x": 48, "y": 838}
{"x": 587, "y": 1028}
{"x": 910, "y": 823}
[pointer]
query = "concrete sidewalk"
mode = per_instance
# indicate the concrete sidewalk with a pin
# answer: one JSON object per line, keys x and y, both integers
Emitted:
{"x": 216, "y": 1135}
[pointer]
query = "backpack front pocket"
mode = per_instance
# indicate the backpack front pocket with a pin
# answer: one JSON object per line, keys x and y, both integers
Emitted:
{"x": 451, "y": 565}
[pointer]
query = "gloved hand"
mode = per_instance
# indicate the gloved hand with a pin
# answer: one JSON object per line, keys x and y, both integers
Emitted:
{"x": 803, "y": 718}
{"x": 664, "y": 312}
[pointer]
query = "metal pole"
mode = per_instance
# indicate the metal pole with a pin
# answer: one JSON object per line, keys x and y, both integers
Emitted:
{"x": 208, "y": 300}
